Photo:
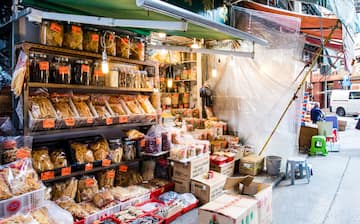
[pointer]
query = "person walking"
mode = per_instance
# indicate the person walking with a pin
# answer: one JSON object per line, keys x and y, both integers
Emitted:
{"x": 316, "y": 114}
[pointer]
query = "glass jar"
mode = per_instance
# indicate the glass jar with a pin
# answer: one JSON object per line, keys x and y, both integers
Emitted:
{"x": 91, "y": 40}
{"x": 112, "y": 79}
{"x": 110, "y": 43}
{"x": 123, "y": 46}
{"x": 61, "y": 70}
{"x": 98, "y": 77}
{"x": 39, "y": 68}
{"x": 81, "y": 73}
{"x": 73, "y": 37}
{"x": 130, "y": 78}
{"x": 137, "y": 50}
{"x": 137, "y": 79}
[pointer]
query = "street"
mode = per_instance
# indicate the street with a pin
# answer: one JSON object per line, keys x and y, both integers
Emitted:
{"x": 332, "y": 195}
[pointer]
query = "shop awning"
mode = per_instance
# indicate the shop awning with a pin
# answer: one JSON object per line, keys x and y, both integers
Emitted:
{"x": 315, "y": 26}
{"x": 127, "y": 9}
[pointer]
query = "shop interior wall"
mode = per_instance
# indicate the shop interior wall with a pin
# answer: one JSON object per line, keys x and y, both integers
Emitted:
{"x": 252, "y": 93}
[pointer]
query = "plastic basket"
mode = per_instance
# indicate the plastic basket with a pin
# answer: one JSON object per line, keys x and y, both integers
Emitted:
{"x": 104, "y": 212}
{"x": 24, "y": 203}
{"x": 190, "y": 207}
{"x": 134, "y": 201}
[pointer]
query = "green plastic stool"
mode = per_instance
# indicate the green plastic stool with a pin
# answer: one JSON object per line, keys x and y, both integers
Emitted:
{"x": 318, "y": 145}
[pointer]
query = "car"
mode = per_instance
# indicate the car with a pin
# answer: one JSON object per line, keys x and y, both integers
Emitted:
{"x": 345, "y": 102}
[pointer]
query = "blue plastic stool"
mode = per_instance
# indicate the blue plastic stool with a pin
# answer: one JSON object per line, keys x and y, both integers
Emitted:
{"x": 297, "y": 163}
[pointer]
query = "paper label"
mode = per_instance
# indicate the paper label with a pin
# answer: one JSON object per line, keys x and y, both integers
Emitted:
{"x": 123, "y": 119}
{"x": 88, "y": 166}
{"x": 65, "y": 171}
{"x": 110, "y": 174}
{"x": 94, "y": 37}
{"x": 90, "y": 121}
{"x": 63, "y": 70}
{"x": 98, "y": 73}
{"x": 111, "y": 37}
{"x": 70, "y": 122}
{"x": 124, "y": 41}
{"x": 85, "y": 68}
{"x": 47, "y": 175}
{"x": 55, "y": 27}
{"x": 109, "y": 121}
{"x": 89, "y": 182}
{"x": 123, "y": 168}
{"x": 22, "y": 154}
{"x": 76, "y": 29}
{"x": 44, "y": 65}
{"x": 48, "y": 123}
{"x": 106, "y": 162}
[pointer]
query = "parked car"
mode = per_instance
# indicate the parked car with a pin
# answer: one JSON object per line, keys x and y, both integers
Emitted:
{"x": 345, "y": 102}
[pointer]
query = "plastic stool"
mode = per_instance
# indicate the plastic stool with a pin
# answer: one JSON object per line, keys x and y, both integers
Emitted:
{"x": 318, "y": 145}
{"x": 297, "y": 163}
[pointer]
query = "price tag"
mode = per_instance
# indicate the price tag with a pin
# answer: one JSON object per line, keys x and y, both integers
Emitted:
{"x": 70, "y": 122}
{"x": 123, "y": 168}
{"x": 88, "y": 166}
{"x": 89, "y": 182}
{"x": 111, "y": 37}
{"x": 109, "y": 121}
{"x": 181, "y": 106}
{"x": 44, "y": 65}
{"x": 123, "y": 119}
{"x": 47, "y": 175}
{"x": 106, "y": 162}
{"x": 85, "y": 68}
{"x": 95, "y": 37}
{"x": 90, "y": 121}
{"x": 64, "y": 70}
{"x": 142, "y": 143}
{"x": 65, "y": 171}
{"x": 186, "y": 105}
{"x": 158, "y": 141}
{"x": 110, "y": 174}
{"x": 124, "y": 40}
{"x": 55, "y": 27}
{"x": 75, "y": 29}
{"x": 22, "y": 153}
{"x": 48, "y": 123}
{"x": 98, "y": 73}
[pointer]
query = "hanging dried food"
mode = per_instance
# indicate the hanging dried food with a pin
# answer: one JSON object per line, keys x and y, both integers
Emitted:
{"x": 123, "y": 46}
{"x": 52, "y": 34}
{"x": 75, "y": 209}
{"x": 137, "y": 50}
{"x": 82, "y": 153}
{"x": 81, "y": 73}
{"x": 41, "y": 159}
{"x": 87, "y": 188}
{"x": 73, "y": 37}
{"x": 91, "y": 40}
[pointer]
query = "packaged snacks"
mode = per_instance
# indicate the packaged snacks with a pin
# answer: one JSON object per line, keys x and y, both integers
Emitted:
{"x": 123, "y": 46}
{"x": 99, "y": 102}
{"x": 116, "y": 150}
{"x": 100, "y": 149}
{"x": 62, "y": 106}
{"x": 91, "y": 39}
{"x": 153, "y": 140}
{"x": 145, "y": 104}
{"x": 117, "y": 109}
{"x": 19, "y": 219}
{"x": 58, "y": 158}
{"x": 80, "y": 102}
{"x": 21, "y": 177}
{"x": 73, "y": 37}
{"x": 87, "y": 188}
{"x": 102, "y": 198}
{"x": 41, "y": 215}
{"x": 14, "y": 148}
{"x": 133, "y": 105}
{"x": 89, "y": 207}
{"x": 75, "y": 209}
{"x": 106, "y": 179}
{"x": 134, "y": 134}
{"x": 137, "y": 50}
{"x": 110, "y": 43}
{"x": 128, "y": 178}
{"x": 65, "y": 189}
{"x": 41, "y": 108}
{"x": 82, "y": 153}
{"x": 5, "y": 192}
{"x": 129, "y": 150}
{"x": 52, "y": 34}
{"x": 41, "y": 159}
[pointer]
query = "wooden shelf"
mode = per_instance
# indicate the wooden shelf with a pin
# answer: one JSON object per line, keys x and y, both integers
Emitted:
{"x": 88, "y": 88}
{"x": 69, "y": 52}
{"x": 185, "y": 80}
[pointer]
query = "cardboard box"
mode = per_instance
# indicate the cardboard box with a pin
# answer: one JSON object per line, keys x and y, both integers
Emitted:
{"x": 305, "y": 136}
{"x": 342, "y": 125}
{"x": 229, "y": 209}
{"x": 208, "y": 189}
{"x": 193, "y": 168}
{"x": 226, "y": 169}
{"x": 181, "y": 186}
{"x": 261, "y": 192}
{"x": 251, "y": 165}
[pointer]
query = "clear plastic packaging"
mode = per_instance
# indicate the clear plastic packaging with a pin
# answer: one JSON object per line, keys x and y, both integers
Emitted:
{"x": 100, "y": 149}
{"x": 103, "y": 198}
{"x": 54, "y": 214}
{"x": 129, "y": 150}
{"x": 75, "y": 209}
{"x": 41, "y": 159}
{"x": 73, "y": 37}
{"x": 134, "y": 134}
{"x": 58, "y": 158}
{"x": 66, "y": 189}
{"x": 116, "y": 150}
{"x": 82, "y": 153}
{"x": 14, "y": 148}
{"x": 168, "y": 197}
{"x": 87, "y": 188}
{"x": 106, "y": 179}
{"x": 19, "y": 218}
{"x": 52, "y": 34}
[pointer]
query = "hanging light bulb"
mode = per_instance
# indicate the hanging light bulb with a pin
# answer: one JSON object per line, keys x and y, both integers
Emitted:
{"x": 195, "y": 45}
{"x": 232, "y": 61}
{"x": 169, "y": 82}
{"x": 104, "y": 63}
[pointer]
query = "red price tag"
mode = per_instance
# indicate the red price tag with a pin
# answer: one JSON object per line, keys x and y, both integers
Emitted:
{"x": 64, "y": 70}
{"x": 95, "y": 37}
{"x": 48, "y": 123}
{"x": 123, "y": 168}
{"x": 111, "y": 37}
{"x": 65, "y": 171}
{"x": 123, "y": 119}
{"x": 89, "y": 182}
{"x": 47, "y": 175}
{"x": 70, "y": 122}
{"x": 110, "y": 174}
{"x": 85, "y": 68}
{"x": 55, "y": 27}
{"x": 75, "y": 29}
{"x": 106, "y": 162}
{"x": 88, "y": 166}
{"x": 90, "y": 121}
{"x": 109, "y": 121}
{"x": 22, "y": 154}
{"x": 98, "y": 73}
{"x": 124, "y": 40}
{"x": 44, "y": 65}
{"x": 142, "y": 143}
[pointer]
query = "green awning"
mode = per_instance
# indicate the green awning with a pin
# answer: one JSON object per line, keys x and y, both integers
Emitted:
{"x": 122, "y": 9}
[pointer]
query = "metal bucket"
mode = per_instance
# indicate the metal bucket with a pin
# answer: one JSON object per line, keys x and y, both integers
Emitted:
{"x": 273, "y": 165}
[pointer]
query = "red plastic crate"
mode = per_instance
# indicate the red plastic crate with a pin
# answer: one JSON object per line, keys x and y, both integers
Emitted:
{"x": 190, "y": 207}
{"x": 80, "y": 222}
{"x": 168, "y": 187}
{"x": 112, "y": 218}
{"x": 149, "y": 201}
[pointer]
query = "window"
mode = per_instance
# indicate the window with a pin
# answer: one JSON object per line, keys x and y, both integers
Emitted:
{"x": 354, "y": 95}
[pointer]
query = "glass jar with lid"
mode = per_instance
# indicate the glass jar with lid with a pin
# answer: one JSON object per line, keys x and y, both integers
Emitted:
{"x": 81, "y": 73}
{"x": 98, "y": 77}
{"x": 39, "y": 68}
{"x": 61, "y": 70}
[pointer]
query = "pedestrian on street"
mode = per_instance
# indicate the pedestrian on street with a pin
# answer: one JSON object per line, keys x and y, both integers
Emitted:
{"x": 316, "y": 114}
